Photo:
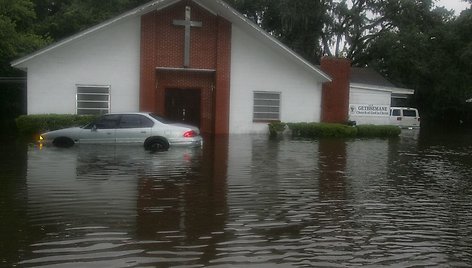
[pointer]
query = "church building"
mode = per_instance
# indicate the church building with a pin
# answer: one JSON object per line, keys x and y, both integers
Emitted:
{"x": 196, "y": 61}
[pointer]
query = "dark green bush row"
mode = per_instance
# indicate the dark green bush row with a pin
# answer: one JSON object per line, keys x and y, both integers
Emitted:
{"x": 321, "y": 130}
{"x": 35, "y": 124}
{"x": 276, "y": 127}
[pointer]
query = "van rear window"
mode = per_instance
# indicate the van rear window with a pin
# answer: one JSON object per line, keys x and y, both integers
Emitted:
{"x": 409, "y": 113}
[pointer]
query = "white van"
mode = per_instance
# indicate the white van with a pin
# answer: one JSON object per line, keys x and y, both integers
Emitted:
{"x": 404, "y": 117}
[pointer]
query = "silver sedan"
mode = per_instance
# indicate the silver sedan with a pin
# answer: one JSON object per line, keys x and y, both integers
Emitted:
{"x": 154, "y": 132}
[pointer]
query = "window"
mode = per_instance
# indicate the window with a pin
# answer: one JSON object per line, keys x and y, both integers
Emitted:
{"x": 160, "y": 119}
{"x": 107, "y": 122}
{"x": 266, "y": 106}
{"x": 93, "y": 99}
{"x": 135, "y": 121}
{"x": 409, "y": 113}
{"x": 396, "y": 112}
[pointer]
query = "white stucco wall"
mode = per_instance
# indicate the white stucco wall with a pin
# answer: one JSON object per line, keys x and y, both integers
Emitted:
{"x": 369, "y": 97}
{"x": 106, "y": 57}
{"x": 111, "y": 57}
{"x": 256, "y": 66}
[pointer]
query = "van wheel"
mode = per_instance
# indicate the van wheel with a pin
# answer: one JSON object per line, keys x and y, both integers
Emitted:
{"x": 156, "y": 144}
{"x": 63, "y": 142}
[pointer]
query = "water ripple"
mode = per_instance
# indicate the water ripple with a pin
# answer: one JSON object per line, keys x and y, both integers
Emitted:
{"x": 244, "y": 202}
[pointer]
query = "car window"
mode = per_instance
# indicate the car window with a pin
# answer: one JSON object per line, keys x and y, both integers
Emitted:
{"x": 89, "y": 125}
{"x": 107, "y": 121}
{"x": 135, "y": 121}
{"x": 409, "y": 113}
{"x": 160, "y": 119}
{"x": 395, "y": 112}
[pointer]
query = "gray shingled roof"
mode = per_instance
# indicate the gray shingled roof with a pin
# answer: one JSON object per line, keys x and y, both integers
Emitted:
{"x": 369, "y": 77}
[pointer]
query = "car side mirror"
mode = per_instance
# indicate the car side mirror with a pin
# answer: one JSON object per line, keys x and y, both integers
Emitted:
{"x": 94, "y": 127}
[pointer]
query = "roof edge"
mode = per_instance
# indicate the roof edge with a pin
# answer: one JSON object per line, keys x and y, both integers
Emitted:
{"x": 325, "y": 77}
{"x": 397, "y": 90}
{"x": 136, "y": 11}
{"x": 159, "y": 5}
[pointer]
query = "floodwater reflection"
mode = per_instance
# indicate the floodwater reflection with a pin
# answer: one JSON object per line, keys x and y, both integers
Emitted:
{"x": 240, "y": 201}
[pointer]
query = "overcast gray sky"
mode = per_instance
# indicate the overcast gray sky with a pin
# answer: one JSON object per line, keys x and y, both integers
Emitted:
{"x": 457, "y": 5}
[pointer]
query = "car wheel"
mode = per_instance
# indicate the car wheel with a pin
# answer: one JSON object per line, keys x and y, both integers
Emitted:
{"x": 156, "y": 145}
{"x": 63, "y": 142}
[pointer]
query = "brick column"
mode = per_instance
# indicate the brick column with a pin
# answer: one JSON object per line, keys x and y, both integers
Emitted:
{"x": 147, "y": 95}
{"x": 335, "y": 100}
{"x": 162, "y": 47}
{"x": 222, "y": 78}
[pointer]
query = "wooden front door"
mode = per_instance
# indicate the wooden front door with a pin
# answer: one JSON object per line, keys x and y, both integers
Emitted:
{"x": 183, "y": 105}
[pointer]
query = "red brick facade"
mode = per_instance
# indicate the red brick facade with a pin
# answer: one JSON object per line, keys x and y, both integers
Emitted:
{"x": 162, "y": 49}
{"x": 335, "y": 99}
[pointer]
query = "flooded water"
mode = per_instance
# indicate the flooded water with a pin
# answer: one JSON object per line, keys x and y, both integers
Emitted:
{"x": 242, "y": 201}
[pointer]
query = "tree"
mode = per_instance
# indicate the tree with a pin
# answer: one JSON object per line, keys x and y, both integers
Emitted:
{"x": 60, "y": 19}
{"x": 314, "y": 28}
{"x": 297, "y": 23}
{"x": 16, "y": 35}
{"x": 16, "y": 39}
{"x": 350, "y": 27}
{"x": 428, "y": 50}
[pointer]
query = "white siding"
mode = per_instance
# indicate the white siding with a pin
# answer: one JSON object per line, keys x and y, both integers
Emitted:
{"x": 111, "y": 57}
{"x": 258, "y": 67}
{"x": 107, "y": 57}
{"x": 360, "y": 96}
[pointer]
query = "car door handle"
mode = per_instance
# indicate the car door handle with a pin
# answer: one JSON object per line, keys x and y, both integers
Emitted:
{"x": 144, "y": 132}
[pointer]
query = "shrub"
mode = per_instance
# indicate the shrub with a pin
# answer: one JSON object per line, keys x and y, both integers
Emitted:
{"x": 35, "y": 124}
{"x": 378, "y": 131}
{"x": 323, "y": 130}
{"x": 276, "y": 127}
{"x": 319, "y": 130}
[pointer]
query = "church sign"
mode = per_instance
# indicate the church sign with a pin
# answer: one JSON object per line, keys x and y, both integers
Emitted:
{"x": 369, "y": 110}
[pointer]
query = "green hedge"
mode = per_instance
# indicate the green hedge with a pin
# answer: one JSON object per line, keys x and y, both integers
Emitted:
{"x": 275, "y": 128}
{"x": 320, "y": 130}
{"x": 29, "y": 125}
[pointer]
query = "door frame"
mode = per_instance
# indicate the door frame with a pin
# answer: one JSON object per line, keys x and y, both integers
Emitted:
{"x": 196, "y": 90}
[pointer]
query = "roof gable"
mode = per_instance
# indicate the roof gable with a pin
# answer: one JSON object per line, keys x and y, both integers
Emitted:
{"x": 368, "y": 78}
{"x": 217, "y": 7}
{"x": 154, "y": 5}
